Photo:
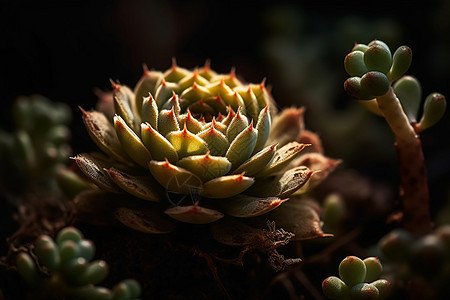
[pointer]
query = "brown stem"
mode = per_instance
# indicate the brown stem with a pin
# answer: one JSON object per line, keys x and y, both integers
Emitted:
{"x": 414, "y": 186}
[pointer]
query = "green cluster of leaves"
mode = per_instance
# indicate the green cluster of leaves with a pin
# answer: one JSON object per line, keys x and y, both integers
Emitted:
{"x": 374, "y": 70}
{"x": 428, "y": 255}
{"x": 71, "y": 272}
{"x": 38, "y": 147}
{"x": 359, "y": 280}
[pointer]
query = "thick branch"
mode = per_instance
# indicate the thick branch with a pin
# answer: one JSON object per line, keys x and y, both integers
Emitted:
{"x": 414, "y": 187}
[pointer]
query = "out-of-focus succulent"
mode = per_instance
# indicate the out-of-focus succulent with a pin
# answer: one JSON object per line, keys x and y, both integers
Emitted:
{"x": 32, "y": 155}
{"x": 70, "y": 272}
{"x": 202, "y": 147}
{"x": 359, "y": 279}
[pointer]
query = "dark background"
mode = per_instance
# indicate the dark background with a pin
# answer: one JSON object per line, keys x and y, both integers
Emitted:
{"x": 65, "y": 49}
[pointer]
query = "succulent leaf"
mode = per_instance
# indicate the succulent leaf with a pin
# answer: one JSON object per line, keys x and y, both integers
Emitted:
{"x": 174, "y": 178}
{"x": 146, "y": 84}
{"x": 242, "y": 146}
{"x": 94, "y": 273}
{"x": 237, "y": 125}
{"x": 263, "y": 127}
{"x": 144, "y": 187}
{"x": 243, "y": 206}
{"x": 287, "y": 126}
{"x": 216, "y": 141}
{"x": 282, "y": 158}
{"x": 146, "y": 220}
{"x": 401, "y": 61}
{"x": 160, "y": 148}
{"x": 131, "y": 142}
{"x": 167, "y": 122}
{"x": 375, "y": 83}
{"x": 206, "y": 166}
{"x": 165, "y": 92}
{"x": 433, "y": 110}
{"x": 409, "y": 91}
{"x": 187, "y": 143}
{"x": 27, "y": 268}
{"x": 194, "y": 214}
{"x": 255, "y": 164}
{"x": 192, "y": 124}
{"x": 226, "y": 186}
{"x": 124, "y": 106}
{"x": 354, "y": 63}
{"x": 378, "y": 58}
{"x": 352, "y": 87}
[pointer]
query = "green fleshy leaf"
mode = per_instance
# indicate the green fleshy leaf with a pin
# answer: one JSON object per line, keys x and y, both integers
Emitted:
{"x": 401, "y": 61}
{"x": 206, "y": 71}
{"x": 243, "y": 206}
{"x": 282, "y": 158}
{"x": 257, "y": 162}
{"x": 186, "y": 143}
{"x": 93, "y": 169}
{"x": 234, "y": 100}
{"x": 226, "y": 186}
{"x": 194, "y": 214}
{"x": 216, "y": 141}
{"x": 217, "y": 125}
{"x": 160, "y": 148}
{"x": 352, "y": 270}
{"x": 146, "y": 84}
{"x": 217, "y": 104}
{"x": 90, "y": 292}
{"x": 48, "y": 253}
{"x": 236, "y": 126}
{"x": 121, "y": 292}
{"x": 131, "y": 142}
{"x": 250, "y": 101}
{"x": 206, "y": 167}
{"x": 167, "y": 122}
{"x": 144, "y": 187}
{"x": 263, "y": 97}
{"x": 94, "y": 273}
{"x": 378, "y": 57}
{"x": 176, "y": 73}
{"x": 27, "y": 268}
{"x": 69, "y": 233}
{"x": 433, "y": 110}
{"x": 189, "y": 80}
{"x": 352, "y": 87}
{"x": 229, "y": 79}
{"x": 230, "y": 115}
{"x": 354, "y": 63}
{"x": 174, "y": 178}
{"x": 201, "y": 108}
{"x": 173, "y": 104}
{"x": 68, "y": 250}
{"x": 375, "y": 83}
{"x": 133, "y": 286}
{"x": 146, "y": 220}
{"x": 195, "y": 93}
{"x": 219, "y": 88}
{"x": 281, "y": 185}
{"x": 334, "y": 288}
{"x": 87, "y": 249}
{"x": 409, "y": 92}
{"x": 263, "y": 127}
{"x": 384, "y": 288}
{"x": 192, "y": 124}
{"x": 242, "y": 146}
{"x": 164, "y": 92}
{"x": 124, "y": 106}
{"x": 102, "y": 132}
{"x": 360, "y": 47}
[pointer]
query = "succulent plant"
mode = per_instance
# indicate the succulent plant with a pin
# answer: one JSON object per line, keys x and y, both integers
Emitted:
{"x": 202, "y": 147}
{"x": 70, "y": 272}
{"x": 33, "y": 154}
{"x": 359, "y": 279}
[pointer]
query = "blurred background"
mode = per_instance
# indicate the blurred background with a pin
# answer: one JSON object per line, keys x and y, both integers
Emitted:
{"x": 65, "y": 49}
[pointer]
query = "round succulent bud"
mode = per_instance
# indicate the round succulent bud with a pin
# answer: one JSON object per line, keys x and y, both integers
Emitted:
{"x": 409, "y": 93}
{"x": 334, "y": 288}
{"x": 133, "y": 286}
{"x": 352, "y": 270}
{"x": 401, "y": 61}
{"x": 378, "y": 58}
{"x": 360, "y": 47}
{"x": 433, "y": 110}
{"x": 427, "y": 255}
{"x": 354, "y": 63}
{"x": 375, "y": 83}
{"x": 384, "y": 288}
{"x": 48, "y": 253}
{"x": 353, "y": 88}
{"x": 27, "y": 268}
{"x": 333, "y": 210}
{"x": 374, "y": 268}
{"x": 395, "y": 246}
{"x": 68, "y": 234}
{"x": 364, "y": 291}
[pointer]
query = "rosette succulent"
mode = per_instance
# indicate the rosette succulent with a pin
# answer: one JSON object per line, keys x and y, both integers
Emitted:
{"x": 201, "y": 147}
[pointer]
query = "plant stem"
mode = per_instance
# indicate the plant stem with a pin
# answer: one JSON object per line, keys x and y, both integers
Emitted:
{"x": 414, "y": 186}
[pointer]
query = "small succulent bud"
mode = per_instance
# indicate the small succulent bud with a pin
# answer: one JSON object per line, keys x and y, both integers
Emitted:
{"x": 378, "y": 58}
{"x": 352, "y": 270}
{"x": 333, "y": 210}
{"x": 353, "y": 88}
{"x": 433, "y": 110}
{"x": 409, "y": 93}
{"x": 401, "y": 61}
{"x": 395, "y": 246}
{"x": 375, "y": 83}
{"x": 364, "y": 291}
{"x": 27, "y": 268}
{"x": 334, "y": 288}
{"x": 373, "y": 269}
{"x": 354, "y": 63}
{"x": 384, "y": 288}
{"x": 360, "y": 47}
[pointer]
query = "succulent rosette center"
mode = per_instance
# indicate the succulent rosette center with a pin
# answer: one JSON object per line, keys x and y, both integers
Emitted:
{"x": 197, "y": 146}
